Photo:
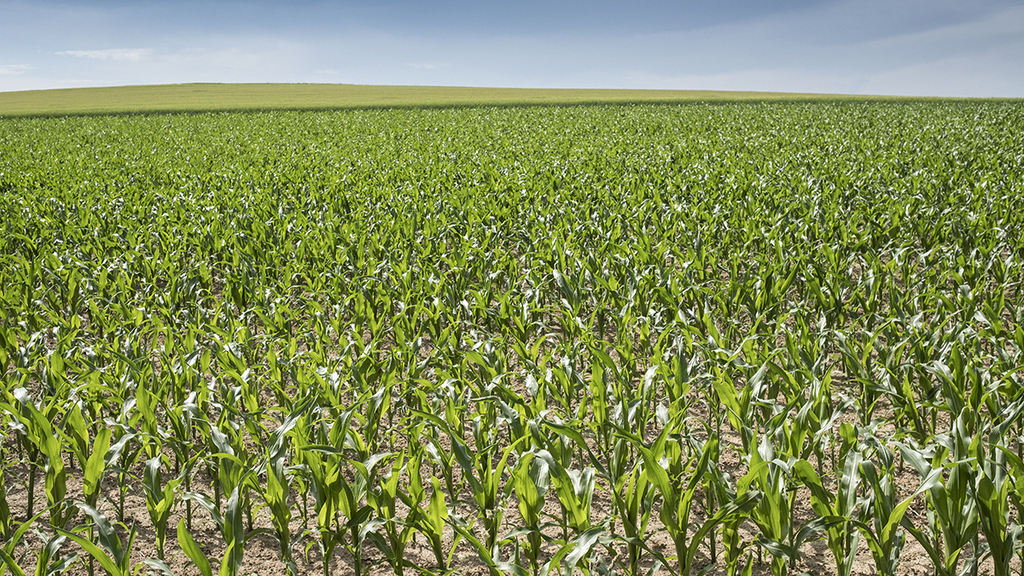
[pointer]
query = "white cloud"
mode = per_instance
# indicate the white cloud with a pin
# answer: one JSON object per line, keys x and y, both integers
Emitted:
{"x": 426, "y": 65}
{"x": 13, "y": 69}
{"x": 760, "y": 80}
{"x": 329, "y": 71}
{"x": 995, "y": 74}
{"x": 262, "y": 57}
{"x": 125, "y": 54}
{"x": 1006, "y": 23}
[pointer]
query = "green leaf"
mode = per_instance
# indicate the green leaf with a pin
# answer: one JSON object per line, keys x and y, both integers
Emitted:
{"x": 110, "y": 566}
{"x": 11, "y": 563}
{"x": 96, "y": 463}
{"x": 584, "y": 542}
{"x": 191, "y": 549}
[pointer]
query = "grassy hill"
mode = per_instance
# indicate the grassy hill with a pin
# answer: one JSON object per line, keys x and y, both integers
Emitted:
{"x": 233, "y": 97}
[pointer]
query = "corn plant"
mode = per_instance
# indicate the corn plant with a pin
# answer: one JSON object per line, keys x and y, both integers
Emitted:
{"x": 229, "y": 523}
{"x": 279, "y": 483}
{"x": 343, "y": 514}
{"x": 39, "y": 432}
{"x": 836, "y": 511}
{"x": 48, "y": 560}
{"x": 1015, "y": 472}
{"x": 12, "y": 541}
{"x": 773, "y": 513}
{"x": 733, "y": 545}
{"x": 160, "y": 499}
{"x": 92, "y": 457}
{"x": 678, "y": 494}
{"x": 483, "y": 472}
{"x": 123, "y": 454}
{"x": 634, "y": 501}
{"x": 531, "y": 480}
{"x": 881, "y": 519}
{"x": 354, "y": 507}
{"x": 111, "y": 554}
{"x": 991, "y": 493}
{"x": 398, "y": 532}
{"x": 5, "y": 509}
{"x": 952, "y": 512}
{"x": 324, "y": 470}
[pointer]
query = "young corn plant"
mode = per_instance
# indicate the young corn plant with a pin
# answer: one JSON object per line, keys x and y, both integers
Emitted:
{"x": 856, "y": 355}
{"x": 229, "y": 522}
{"x": 92, "y": 456}
{"x": 773, "y": 513}
{"x": 341, "y": 505}
{"x": 356, "y": 512}
{"x": 124, "y": 453}
{"x": 431, "y": 523}
{"x": 952, "y": 511}
{"x": 739, "y": 407}
{"x": 324, "y": 469}
{"x": 113, "y": 556}
{"x": 734, "y": 547}
{"x": 991, "y": 492}
{"x": 443, "y": 460}
{"x": 531, "y": 479}
{"x": 881, "y": 519}
{"x": 48, "y": 560}
{"x": 13, "y": 540}
{"x": 192, "y": 550}
{"x": 634, "y": 503}
{"x": 6, "y": 522}
{"x": 575, "y": 490}
{"x": 1015, "y": 472}
{"x": 40, "y": 433}
{"x": 836, "y": 510}
{"x": 279, "y": 484}
{"x": 397, "y": 533}
{"x": 160, "y": 499}
{"x": 484, "y": 472}
{"x": 677, "y": 486}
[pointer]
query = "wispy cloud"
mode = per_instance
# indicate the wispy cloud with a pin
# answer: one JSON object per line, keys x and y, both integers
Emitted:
{"x": 13, "y": 69}
{"x": 764, "y": 80}
{"x": 254, "y": 55}
{"x": 1007, "y": 23}
{"x": 125, "y": 54}
{"x": 426, "y": 65}
{"x": 328, "y": 71}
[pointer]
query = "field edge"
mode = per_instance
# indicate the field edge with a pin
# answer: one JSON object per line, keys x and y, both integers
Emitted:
{"x": 217, "y": 97}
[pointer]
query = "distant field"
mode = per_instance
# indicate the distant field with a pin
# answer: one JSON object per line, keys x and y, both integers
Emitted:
{"x": 238, "y": 97}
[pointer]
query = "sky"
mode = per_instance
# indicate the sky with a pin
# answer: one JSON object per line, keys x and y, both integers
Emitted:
{"x": 883, "y": 47}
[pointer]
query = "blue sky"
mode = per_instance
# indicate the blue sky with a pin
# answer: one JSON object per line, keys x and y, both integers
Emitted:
{"x": 908, "y": 47}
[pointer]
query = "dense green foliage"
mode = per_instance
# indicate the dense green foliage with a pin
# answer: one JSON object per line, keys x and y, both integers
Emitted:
{"x": 353, "y": 328}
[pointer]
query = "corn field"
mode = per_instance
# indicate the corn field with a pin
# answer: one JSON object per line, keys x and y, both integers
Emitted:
{"x": 709, "y": 338}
